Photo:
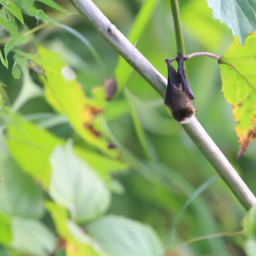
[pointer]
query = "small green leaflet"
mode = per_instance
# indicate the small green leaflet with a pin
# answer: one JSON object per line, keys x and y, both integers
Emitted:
{"x": 238, "y": 75}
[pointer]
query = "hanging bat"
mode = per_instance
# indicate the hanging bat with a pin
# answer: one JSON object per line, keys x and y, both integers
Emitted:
{"x": 179, "y": 96}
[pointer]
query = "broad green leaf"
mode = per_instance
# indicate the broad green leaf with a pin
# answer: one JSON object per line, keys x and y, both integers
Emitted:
{"x": 5, "y": 228}
{"x": 123, "y": 69}
{"x": 137, "y": 115}
{"x": 120, "y": 236}
{"x": 249, "y": 222}
{"x": 54, "y": 5}
{"x": 32, "y": 237}
{"x": 19, "y": 195}
{"x": 78, "y": 243}
{"x": 65, "y": 94}
{"x": 12, "y": 8}
{"x": 238, "y": 76}
{"x": 250, "y": 247}
{"x": 27, "y": 141}
{"x": 75, "y": 185}
{"x": 239, "y": 15}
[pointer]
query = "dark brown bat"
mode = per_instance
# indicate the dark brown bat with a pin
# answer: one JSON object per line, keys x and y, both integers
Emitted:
{"x": 179, "y": 96}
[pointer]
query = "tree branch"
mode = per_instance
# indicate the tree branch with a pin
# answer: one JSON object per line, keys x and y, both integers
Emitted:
{"x": 196, "y": 132}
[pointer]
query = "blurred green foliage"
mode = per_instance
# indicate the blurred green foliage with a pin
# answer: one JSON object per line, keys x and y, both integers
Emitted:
{"x": 131, "y": 160}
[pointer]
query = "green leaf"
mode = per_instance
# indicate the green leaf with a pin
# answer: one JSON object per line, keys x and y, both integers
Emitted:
{"x": 16, "y": 71}
{"x": 123, "y": 69}
{"x": 250, "y": 247}
{"x": 78, "y": 243}
{"x": 249, "y": 222}
{"x": 19, "y": 195}
{"x": 31, "y": 236}
{"x": 8, "y": 47}
{"x": 137, "y": 114}
{"x": 54, "y": 5}
{"x": 116, "y": 109}
{"x": 12, "y": 8}
{"x": 27, "y": 6}
{"x": 27, "y": 141}
{"x": 102, "y": 165}
{"x": 76, "y": 185}
{"x": 5, "y": 227}
{"x": 8, "y": 21}
{"x": 239, "y": 15}
{"x": 238, "y": 76}
{"x": 120, "y": 236}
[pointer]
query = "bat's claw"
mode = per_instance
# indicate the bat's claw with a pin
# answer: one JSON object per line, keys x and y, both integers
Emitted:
{"x": 167, "y": 61}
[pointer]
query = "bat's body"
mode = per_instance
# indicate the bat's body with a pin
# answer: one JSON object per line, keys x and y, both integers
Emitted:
{"x": 179, "y": 96}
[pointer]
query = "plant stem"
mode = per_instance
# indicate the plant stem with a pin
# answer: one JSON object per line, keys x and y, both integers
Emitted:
{"x": 194, "y": 129}
{"x": 208, "y": 54}
{"x": 177, "y": 27}
{"x": 195, "y": 54}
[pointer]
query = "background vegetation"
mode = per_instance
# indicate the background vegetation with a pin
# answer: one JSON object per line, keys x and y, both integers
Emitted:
{"x": 155, "y": 167}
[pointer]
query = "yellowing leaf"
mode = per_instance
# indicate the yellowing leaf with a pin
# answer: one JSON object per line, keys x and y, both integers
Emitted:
{"x": 238, "y": 74}
{"x": 77, "y": 242}
{"x": 31, "y": 147}
{"x": 65, "y": 94}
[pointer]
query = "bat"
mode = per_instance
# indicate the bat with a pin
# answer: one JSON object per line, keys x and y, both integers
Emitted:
{"x": 179, "y": 96}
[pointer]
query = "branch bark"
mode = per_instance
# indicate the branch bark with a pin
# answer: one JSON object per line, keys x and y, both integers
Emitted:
{"x": 194, "y": 129}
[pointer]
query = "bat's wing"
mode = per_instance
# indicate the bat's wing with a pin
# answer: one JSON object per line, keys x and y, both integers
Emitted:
{"x": 185, "y": 85}
{"x": 173, "y": 80}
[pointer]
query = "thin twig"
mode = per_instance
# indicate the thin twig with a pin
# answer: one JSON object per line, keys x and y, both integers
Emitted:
{"x": 225, "y": 234}
{"x": 194, "y": 129}
{"x": 195, "y": 54}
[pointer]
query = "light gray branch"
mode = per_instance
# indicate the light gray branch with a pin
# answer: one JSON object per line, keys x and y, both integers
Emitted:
{"x": 194, "y": 129}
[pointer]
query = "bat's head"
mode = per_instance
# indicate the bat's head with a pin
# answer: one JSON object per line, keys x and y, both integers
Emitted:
{"x": 183, "y": 112}
{"x": 189, "y": 113}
